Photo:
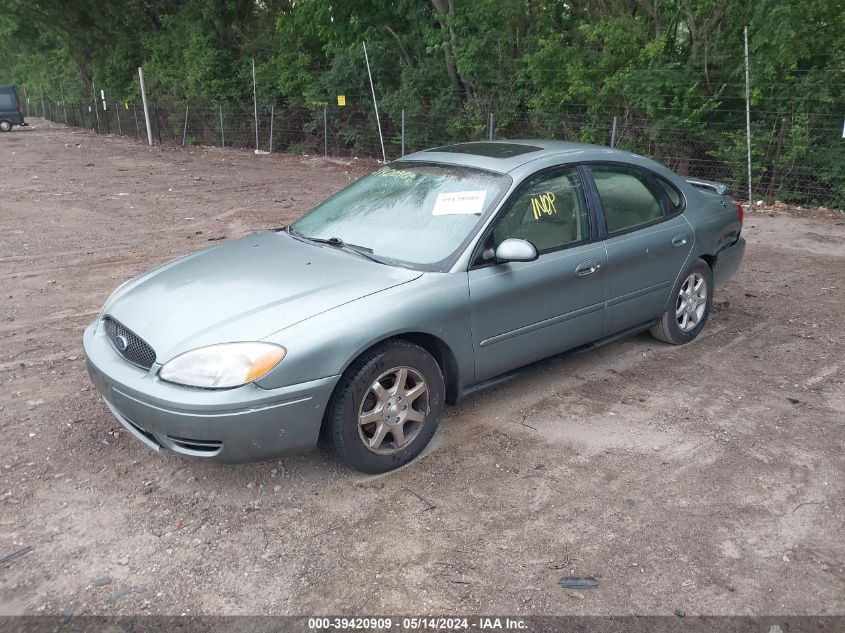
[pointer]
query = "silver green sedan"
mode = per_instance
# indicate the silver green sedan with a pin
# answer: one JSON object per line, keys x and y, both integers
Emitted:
{"x": 409, "y": 289}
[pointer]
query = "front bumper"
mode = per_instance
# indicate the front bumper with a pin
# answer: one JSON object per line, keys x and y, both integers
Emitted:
{"x": 243, "y": 424}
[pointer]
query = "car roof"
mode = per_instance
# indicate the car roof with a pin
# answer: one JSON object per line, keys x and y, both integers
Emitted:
{"x": 509, "y": 155}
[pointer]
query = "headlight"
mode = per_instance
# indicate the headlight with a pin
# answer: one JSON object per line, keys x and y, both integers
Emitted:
{"x": 222, "y": 366}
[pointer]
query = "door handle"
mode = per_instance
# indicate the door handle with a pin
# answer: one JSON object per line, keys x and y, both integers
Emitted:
{"x": 679, "y": 240}
{"x": 587, "y": 268}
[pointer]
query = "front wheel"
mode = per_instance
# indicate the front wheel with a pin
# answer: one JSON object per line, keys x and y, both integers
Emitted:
{"x": 386, "y": 407}
{"x": 5, "y": 126}
{"x": 689, "y": 308}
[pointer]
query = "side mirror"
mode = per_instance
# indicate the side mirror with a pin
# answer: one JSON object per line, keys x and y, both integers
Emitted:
{"x": 515, "y": 250}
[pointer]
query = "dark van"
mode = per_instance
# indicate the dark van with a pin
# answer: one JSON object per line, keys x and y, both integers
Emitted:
{"x": 10, "y": 109}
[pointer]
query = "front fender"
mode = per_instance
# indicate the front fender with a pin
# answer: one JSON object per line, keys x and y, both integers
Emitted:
{"x": 436, "y": 304}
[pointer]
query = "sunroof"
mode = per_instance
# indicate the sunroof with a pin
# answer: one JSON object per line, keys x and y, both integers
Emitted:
{"x": 490, "y": 150}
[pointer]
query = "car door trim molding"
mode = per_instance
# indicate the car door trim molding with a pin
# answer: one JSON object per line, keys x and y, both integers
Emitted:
{"x": 638, "y": 293}
{"x": 539, "y": 325}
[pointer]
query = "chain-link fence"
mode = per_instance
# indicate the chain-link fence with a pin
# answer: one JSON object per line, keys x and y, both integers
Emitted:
{"x": 797, "y": 157}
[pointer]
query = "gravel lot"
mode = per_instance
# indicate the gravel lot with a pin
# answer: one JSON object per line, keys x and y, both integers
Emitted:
{"x": 707, "y": 478}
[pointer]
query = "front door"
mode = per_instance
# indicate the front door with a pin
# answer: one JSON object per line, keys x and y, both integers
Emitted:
{"x": 525, "y": 311}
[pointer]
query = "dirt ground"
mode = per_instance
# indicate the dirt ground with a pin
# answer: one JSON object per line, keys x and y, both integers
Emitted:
{"x": 707, "y": 478}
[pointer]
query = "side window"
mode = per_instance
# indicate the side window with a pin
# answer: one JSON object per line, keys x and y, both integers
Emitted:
{"x": 7, "y": 101}
{"x": 673, "y": 194}
{"x": 626, "y": 196}
{"x": 550, "y": 211}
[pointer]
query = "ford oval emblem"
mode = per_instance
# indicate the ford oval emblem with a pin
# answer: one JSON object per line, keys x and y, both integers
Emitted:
{"x": 121, "y": 343}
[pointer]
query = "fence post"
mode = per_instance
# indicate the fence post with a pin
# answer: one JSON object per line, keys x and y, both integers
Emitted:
{"x": 490, "y": 126}
{"x": 748, "y": 116}
{"x": 222, "y": 135}
{"x": 146, "y": 107}
{"x": 117, "y": 114}
{"x": 272, "y": 115}
{"x": 185, "y": 127}
{"x": 403, "y": 132}
{"x": 137, "y": 127}
{"x": 375, "y": 104}
{"x": 613, "y": 133}
{"x": 255, "y": 103}
{"x": 325, "y": 133}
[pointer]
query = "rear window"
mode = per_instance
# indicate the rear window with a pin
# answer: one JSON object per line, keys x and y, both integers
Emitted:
{"x": 7, "y": 101}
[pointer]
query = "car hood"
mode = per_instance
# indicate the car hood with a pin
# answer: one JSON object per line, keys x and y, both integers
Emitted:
{"x": 244, "y": 290}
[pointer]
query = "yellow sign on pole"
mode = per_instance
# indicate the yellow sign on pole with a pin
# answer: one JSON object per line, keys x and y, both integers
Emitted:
{"x": 341, "y": 100}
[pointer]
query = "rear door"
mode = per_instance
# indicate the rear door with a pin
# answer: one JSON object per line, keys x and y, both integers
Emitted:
{"x": 524, "y": 311}
{"x": 648, "y": 241}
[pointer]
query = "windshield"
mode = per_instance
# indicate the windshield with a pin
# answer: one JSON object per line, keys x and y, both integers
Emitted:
{"x": 411, "y": 213}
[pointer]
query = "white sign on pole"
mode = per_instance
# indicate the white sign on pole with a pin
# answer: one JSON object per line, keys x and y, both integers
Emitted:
{"x": 103, "y": 97}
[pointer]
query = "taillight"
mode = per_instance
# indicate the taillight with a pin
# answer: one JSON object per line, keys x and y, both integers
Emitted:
{"x": 18, "y": 101}
{"x": 739, "y": 210}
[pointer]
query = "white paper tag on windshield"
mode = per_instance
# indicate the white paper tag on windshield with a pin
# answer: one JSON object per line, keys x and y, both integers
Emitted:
{"x": 459, "y": 203}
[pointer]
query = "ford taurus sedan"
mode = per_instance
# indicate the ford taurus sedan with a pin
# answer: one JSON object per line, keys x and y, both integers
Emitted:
{"x": 407, "y": 290}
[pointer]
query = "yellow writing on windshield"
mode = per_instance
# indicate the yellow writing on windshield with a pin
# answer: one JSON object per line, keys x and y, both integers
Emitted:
{"x": 396, "y": 173}
{"x": 544, "y": 204}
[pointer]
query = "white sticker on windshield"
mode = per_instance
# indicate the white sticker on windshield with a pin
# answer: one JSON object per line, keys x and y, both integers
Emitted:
{"x": 459, "y": 203}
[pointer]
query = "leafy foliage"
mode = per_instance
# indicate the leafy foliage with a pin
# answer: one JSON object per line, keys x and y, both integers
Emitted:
{"x": 671, "y": 71}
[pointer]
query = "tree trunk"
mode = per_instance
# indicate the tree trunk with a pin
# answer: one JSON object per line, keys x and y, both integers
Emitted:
{"x": 444, "y": 9}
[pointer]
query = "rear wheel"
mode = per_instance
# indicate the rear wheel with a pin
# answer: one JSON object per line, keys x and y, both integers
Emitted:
{"x": 386, "y": 407}
{"x": 5, "y": 126}
{"x": 689, "y": 308}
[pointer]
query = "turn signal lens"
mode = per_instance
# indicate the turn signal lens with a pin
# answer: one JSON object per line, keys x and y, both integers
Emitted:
{"x": 265, "y": 363}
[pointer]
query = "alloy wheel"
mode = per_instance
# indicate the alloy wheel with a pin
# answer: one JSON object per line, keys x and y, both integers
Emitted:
{"x": 393, "y": 410}
{"x": 691, "y": 303}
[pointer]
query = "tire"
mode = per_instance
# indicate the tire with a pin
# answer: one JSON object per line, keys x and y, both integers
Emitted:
{"x": 687, "y": 313}
{"x": 403, "y": 420}
{"x": 5, "y": 126}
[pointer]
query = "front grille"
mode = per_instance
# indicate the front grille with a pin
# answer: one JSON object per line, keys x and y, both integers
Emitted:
{"x": 129, "y": 345}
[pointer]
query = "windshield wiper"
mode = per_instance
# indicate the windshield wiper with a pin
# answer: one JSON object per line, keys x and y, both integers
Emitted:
{"x": 336, "y": 242}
